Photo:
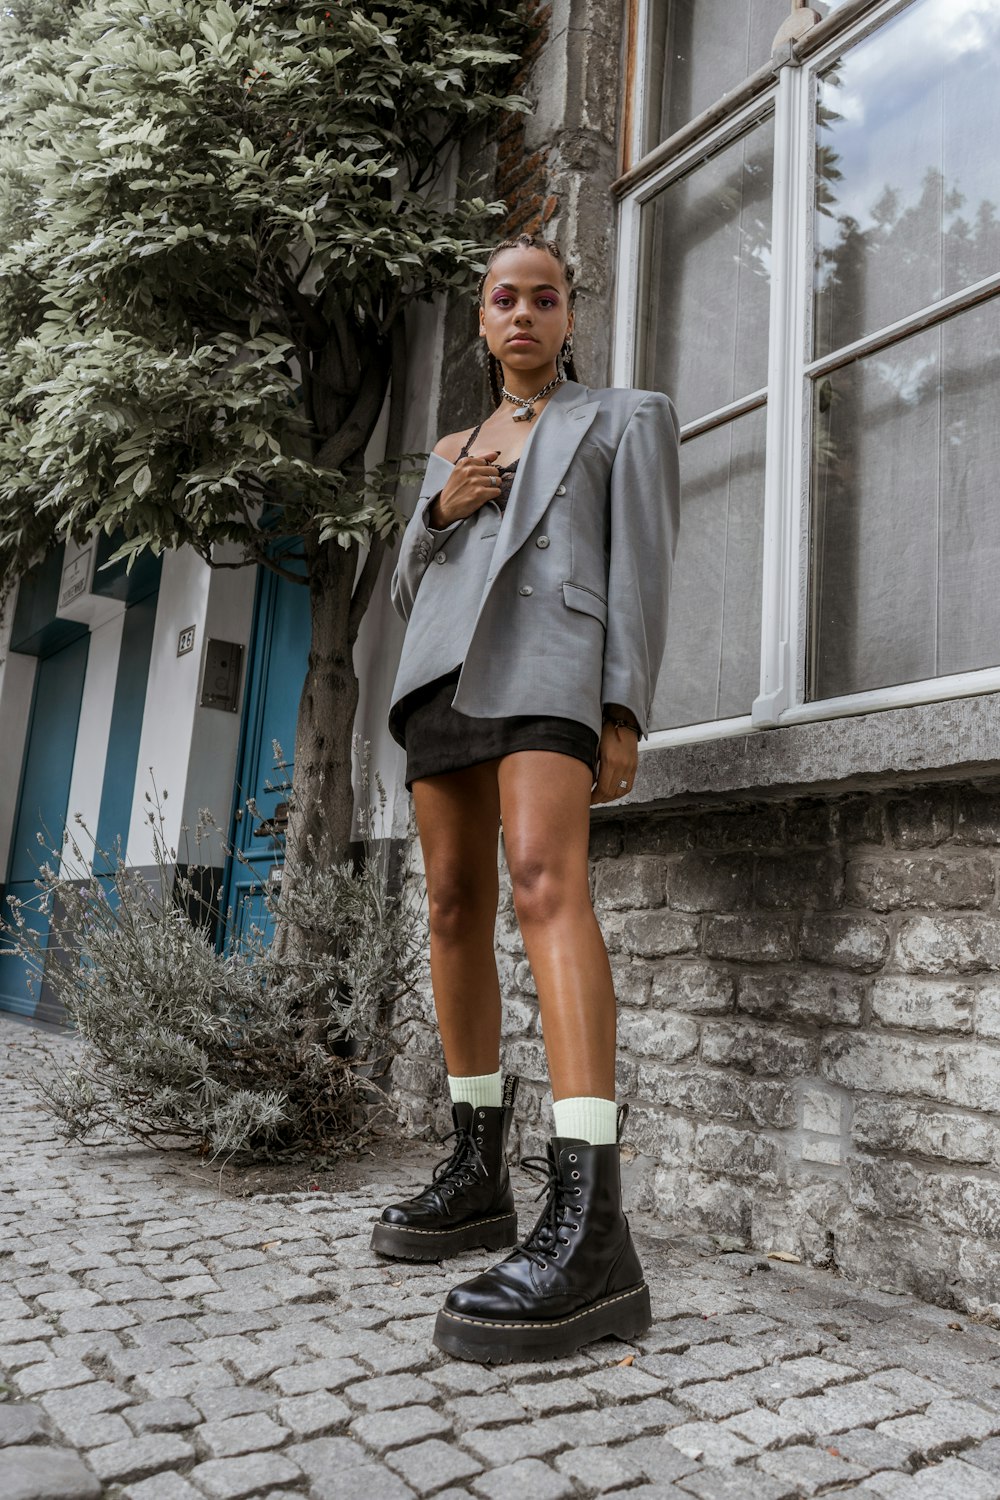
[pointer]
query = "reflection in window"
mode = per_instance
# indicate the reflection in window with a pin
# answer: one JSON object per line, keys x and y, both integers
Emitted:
{"x": 706, "y": 279}
{"x": 906, "y": 545}
{"x": 700, "y": 49}
{"x": 908, "y": 172}
{"x": 711, "y": 667}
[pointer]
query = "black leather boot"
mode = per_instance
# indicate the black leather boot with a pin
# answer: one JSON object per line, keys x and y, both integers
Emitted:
{"x": 469, "y": 1201}
{"x": 575, "y": 1278}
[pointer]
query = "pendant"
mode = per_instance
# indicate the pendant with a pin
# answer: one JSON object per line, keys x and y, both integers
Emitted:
{"x": 526, "y": 415}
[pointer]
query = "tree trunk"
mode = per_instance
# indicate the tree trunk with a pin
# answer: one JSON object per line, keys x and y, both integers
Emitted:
{"x": 322, "y": 803}
{"x": 321, "y": 812}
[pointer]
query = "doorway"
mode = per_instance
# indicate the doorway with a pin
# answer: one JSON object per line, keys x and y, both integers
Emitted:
{"x": 278, "y": 657}
{"x": 42, "y": 805}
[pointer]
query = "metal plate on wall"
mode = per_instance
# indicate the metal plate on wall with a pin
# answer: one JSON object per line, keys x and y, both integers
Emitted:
{"x": 220, "y": 684}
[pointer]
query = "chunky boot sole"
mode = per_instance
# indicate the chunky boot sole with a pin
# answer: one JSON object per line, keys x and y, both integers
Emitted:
{"x": 401, "y": 1242}
{"x": 625, "y": 1314}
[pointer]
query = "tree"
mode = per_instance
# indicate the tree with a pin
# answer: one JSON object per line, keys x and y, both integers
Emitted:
{"x": 213, "y": 220}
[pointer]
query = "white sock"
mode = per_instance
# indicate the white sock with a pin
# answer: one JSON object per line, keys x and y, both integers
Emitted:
{"x": 592, "y": 1120}
{"x": 480, "y": 1090}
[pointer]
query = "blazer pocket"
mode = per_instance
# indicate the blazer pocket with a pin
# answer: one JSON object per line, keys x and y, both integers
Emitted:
{"x": 578, "y": 596}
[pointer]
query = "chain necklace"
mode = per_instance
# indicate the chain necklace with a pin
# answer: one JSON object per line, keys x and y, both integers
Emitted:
{"x": 529, "y": 405}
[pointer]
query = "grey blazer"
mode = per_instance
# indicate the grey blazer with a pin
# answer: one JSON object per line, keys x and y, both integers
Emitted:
{"x": 559, "y": 605}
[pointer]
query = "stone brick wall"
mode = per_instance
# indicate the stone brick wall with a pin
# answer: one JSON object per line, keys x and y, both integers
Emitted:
{"x": 809, "y": 1028}
{"x": 522, "y": 174}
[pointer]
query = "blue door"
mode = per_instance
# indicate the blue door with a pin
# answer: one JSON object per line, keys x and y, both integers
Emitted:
{"x": 43, "y": 800}
{"x": 279, "y": 655}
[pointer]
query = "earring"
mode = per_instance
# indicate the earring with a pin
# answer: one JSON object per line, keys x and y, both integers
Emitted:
{"x": 565, "y": 355}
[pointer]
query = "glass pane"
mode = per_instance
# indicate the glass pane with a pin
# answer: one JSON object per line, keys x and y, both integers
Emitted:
{"x": 908, "y": 171}
{"x": 700, "y": 49}
{"x": 906, "y": 540}
{"x": 706, "y": 279}
{"x": 711, "y": 668}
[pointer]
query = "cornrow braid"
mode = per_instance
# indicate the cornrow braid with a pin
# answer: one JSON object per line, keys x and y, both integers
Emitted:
{"x": 525, "y": 242}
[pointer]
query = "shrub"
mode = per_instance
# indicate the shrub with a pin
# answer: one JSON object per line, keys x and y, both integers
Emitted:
{"x": 235, "y": 1050}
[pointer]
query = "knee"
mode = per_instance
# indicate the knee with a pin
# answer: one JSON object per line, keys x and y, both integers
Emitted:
{"x": 541, "y": 890}
{"x": 456, "y": 907}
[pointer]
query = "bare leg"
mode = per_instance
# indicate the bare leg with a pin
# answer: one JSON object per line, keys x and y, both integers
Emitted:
{"x": 545, "y": 805}
{"x": 577, "y": 1276}
{"x": 458, "y": 819}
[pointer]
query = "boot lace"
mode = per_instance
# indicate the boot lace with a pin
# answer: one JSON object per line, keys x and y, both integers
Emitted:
{"x": 542, "y": 1243}
{"x": 461, "y": 1168}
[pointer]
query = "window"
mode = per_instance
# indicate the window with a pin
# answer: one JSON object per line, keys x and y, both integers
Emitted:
{"x": 704, "y": 333}
{"x": 811, "y": 268}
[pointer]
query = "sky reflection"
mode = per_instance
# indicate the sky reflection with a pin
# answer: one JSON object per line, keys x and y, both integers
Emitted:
{"x": 897, "y": 74}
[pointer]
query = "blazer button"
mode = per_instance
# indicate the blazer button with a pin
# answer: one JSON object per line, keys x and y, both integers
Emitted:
{"x": 525, "y": 589}
{"x": 439, "y": 557}
{"x": 560, "y": 489}
{"x": 542, "y": 541}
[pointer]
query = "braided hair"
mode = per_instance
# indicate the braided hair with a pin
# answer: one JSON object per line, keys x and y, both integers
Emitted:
{"x": 529, "y": 242}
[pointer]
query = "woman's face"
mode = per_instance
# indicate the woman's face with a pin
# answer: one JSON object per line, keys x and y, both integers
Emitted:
{"x": 525, "y": 316}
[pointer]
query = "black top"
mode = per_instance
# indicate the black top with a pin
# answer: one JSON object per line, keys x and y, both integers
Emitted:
{"x": 507, "y": 471}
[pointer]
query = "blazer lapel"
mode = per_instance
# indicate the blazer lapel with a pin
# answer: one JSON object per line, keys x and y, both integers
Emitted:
{"x": 544, "y": 461}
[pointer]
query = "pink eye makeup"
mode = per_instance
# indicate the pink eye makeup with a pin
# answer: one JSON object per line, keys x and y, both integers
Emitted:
{"x": 502, "y": 297}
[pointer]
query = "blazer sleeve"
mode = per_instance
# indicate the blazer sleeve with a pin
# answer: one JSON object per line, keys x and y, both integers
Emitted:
{"x": 644, "y": 520}
{"x": 420, "y": 541}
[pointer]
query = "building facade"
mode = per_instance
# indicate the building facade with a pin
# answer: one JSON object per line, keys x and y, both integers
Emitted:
{"x": 787, "y": 218}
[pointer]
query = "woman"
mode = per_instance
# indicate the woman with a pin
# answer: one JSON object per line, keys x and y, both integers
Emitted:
{"x": 533, "y": 577}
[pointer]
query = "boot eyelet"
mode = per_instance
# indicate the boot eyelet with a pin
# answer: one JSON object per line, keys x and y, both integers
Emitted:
{"x": 574, "y": 1175}
{"x": 578, "y": 1191}
{"x": 572, "y": 1158}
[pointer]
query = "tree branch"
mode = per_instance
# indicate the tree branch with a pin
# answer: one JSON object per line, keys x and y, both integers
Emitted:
{"x": 264, "y": 558}
{"x": 353, "y": 433}
{"x": 267, "y": 561}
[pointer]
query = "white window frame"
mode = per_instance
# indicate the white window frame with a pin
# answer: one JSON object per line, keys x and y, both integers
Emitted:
{"x": 791, "y": 96}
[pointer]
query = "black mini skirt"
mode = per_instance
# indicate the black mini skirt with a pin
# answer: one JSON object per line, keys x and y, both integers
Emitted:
{"x": 439, "y": 739}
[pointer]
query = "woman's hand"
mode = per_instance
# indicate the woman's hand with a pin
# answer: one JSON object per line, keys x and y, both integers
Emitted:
{"x": 618, "y": 761}
{"x": 474, "y": 480}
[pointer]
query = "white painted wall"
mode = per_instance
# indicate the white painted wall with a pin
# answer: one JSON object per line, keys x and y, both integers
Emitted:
{"x": 187, "y": 751}
{"x": 96, "y": 705}
{"x": 211, "y": 772}
{"x": 17, "y": 681}
{"x": 171, "y": 694}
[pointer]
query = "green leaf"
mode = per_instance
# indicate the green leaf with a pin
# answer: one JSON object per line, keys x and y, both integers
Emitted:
{"x": 204, "y": 207}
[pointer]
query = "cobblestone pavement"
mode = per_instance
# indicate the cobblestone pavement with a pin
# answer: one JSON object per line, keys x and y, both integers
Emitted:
{"x": 160, "y": 1342}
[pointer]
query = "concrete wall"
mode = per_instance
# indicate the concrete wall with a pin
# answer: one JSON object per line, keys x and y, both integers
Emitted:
{"x": 380, "y": 638}
{"x": 553, "y": 169}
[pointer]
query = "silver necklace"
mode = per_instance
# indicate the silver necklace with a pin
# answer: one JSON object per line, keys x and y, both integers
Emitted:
{"x": 529, "y": 405}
